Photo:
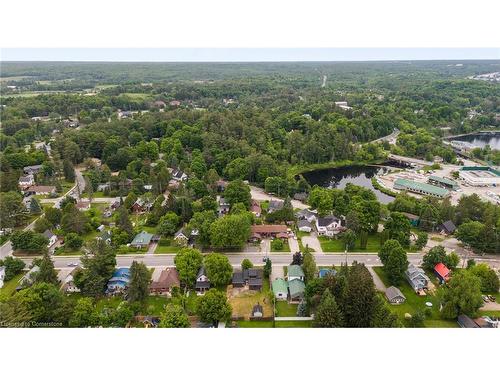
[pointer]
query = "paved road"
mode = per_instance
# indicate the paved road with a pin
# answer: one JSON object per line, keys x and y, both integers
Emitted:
{"x": 260, "y": 195}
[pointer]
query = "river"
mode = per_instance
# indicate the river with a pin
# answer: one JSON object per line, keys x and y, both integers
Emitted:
{"x": 338, "y": 178}
{"x": 481, "y": 140}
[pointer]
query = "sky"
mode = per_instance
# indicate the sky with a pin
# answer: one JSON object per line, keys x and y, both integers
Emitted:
{"x": 245, "y": 54}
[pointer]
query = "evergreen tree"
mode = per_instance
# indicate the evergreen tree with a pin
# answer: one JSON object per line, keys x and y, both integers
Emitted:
{"x": 47, "y": 273}
{"x": 140, "y": 278}
{"x": 328, "y": 314}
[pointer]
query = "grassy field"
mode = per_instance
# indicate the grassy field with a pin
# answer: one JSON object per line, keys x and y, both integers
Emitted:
{"x": 283, "y": 308}
{"x": 286, "y": 248}
{"x": 416, "y": 303}
{"x": 167, "y": 246}
{"x": 10, "y": 286}
{"x": 279, "y": 324}
{"x": 337, "y": 246}
{"x": 242, "y": 304}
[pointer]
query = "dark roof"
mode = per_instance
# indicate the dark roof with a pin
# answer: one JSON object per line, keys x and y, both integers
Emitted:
{"x": 327, "y": 220}
{"x": 465, "y": 322}
{"x": 257, "y": 308}
{"x": 202, "y": 284}
{"x": 304, "y": 223}
{"x": 255, "y": 282}
{"x": 238, "y": 278}
{"x": 201, "y": 272}
{"x": 449, "y": 226}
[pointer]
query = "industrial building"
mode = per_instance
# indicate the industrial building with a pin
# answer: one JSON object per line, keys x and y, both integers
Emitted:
{"x": 420, "y": 188}
{"x": 443, "y": 182}
{"x": 480, "y": 176}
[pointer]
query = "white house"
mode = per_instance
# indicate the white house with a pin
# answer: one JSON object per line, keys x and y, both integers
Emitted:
{"x": 306, "y": 214}
{"x": 304, "y": 226}
{"x": 328, "y": 226}
{"x": 202, "y": 281}
{"x": 26, "y": 181}
{"x": 2, "y": 275}
{"x": 51, "y": 237}
{"x": 68, "y": 285}
{"x": 179, "y": 175}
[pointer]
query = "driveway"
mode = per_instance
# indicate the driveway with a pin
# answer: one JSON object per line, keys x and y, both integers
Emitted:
{"x": 265, "y": 246}
{"x": 376, "y": 280}
{"x": 277, "y": 272}
{"x": 294, "y": 245}
{"x": 313, "y": 242}
{"x": 156, "y": 273}
{"x": 152, "y": 248}
{"x": 260, "y": 195}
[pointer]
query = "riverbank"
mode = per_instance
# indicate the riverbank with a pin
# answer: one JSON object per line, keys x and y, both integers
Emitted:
{"x": 376, "y": 185}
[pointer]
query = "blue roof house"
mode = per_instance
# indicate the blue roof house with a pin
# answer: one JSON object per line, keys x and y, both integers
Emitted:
{"x": 119, "y": 282}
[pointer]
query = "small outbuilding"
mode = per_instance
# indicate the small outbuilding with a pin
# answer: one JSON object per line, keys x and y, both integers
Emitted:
{"x": 394, "y": 296}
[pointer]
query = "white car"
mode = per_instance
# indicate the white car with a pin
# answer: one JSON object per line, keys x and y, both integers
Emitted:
{"x": 72, "y": 264}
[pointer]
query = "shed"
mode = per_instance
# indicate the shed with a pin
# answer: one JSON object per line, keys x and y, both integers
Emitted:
{"x": 394, "y": 296}
{"x": 280, "y": 289}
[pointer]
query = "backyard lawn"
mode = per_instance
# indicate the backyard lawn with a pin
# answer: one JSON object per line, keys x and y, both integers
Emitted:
{"x": 278, "y": 324}
{"x": 283, "y": 308}
{"x": 10, "y": 286}
{"x": 415, "y": 303}
{"x": 243, "y": 302}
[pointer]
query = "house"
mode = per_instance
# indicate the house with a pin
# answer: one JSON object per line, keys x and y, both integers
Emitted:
{"x": 51, "y": 237}
{"x": 251, "y": 277}
{"x": 296, "y": 288}
{"x": 174, "y": 103}
{"x": 306, "y": 214}
{"x": 116, "y": 204}
{"x": 394, "y": 296}
{"x": 159, "y": 104}
{"x": 343, "y": 105}
{"x": 148, "y": 187}
{"x": 465, "y": 322}
{"x": 181, "y": 237}
{"x": 83, "y": 206}
{"x": 300, "y": 196}
{"x": 223, "y": 206}
{"x": 442, "y": 272}
{"x": 448, "y": 227}
{"x": 255, "y": 208}
{"x": 274, "y": 205}
{"x": 105, "y": 236}
{"x": 304, "y": 226}
{"x": 33, "y": 169}
{"x": 28, "y": 279}
{"x": 124, "y": 114}
{"x": 101, "y": 227}
{"x": 2, "y": 275}
{"x": 168, "y": 279}
{"x": 142, "y": 239}
{"x": 202, "y": 281}
{"x": 103, "y": 187}
{"x": 26, "y": 181}
{"x": 119, "y": 281}
{"x": 68, "y": 285}
{"x": 179, "y": 175}
{"x": 417, "y": 278}
{"x": 140, "y": 206}
{"x": 272, "y": 231}
{"x": 413, "y": 219}
{"x": 323, "y": 272}
{"x": 221, "y": 185}
{"x": 328, "y": 226}
{"x": 280, "y": 289}
{"x": 257, "y": 311}
{"x": 41, "y": 190}
{"x": 295, "y": 271}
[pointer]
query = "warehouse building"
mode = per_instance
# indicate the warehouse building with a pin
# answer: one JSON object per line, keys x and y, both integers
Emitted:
{"x": 480, "y": 176}
{"x": 420, "y": 188}
{"x": 443, "y": 182}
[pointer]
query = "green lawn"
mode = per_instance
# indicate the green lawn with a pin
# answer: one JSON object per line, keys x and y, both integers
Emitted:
{"x": 415, "y": 303}
{"x": 286, "y": 248}
{"x": 62, "y": 251}
{"x": 131, "y": 250}
{"x": 10, "y": 286}
{"x": 337, "y": 246}
{"x": 278, "y": 324}
{"x": 167, "y": 246}
{"x": 283, "y": 308}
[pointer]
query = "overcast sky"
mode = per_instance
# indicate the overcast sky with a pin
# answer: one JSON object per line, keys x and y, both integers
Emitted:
{"x": 246, "y": 54}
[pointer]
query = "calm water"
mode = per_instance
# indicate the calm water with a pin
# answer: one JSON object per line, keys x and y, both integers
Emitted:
{"x": 480, "y": 141}
{"x": 339, "y": 177}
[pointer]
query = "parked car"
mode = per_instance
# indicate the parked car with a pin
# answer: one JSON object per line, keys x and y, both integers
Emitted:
{"x": 485, "y": 298}
{"x": 72, "y": 264}
{"x": 492, "y": 298}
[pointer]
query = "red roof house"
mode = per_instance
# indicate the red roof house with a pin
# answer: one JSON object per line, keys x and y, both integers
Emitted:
{"x": 442, "y": 272}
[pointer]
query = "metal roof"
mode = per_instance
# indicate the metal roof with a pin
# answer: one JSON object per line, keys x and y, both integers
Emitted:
{"x": 444, "y": 180}
{"x": 415, "y": 185}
